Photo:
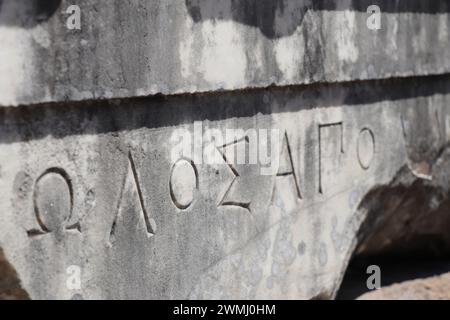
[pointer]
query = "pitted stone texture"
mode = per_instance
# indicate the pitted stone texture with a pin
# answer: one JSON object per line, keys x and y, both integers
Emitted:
{"x": 224, "y": 231}
{"x": 146, "y": 47}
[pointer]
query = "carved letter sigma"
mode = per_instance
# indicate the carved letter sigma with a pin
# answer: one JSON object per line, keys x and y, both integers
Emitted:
{"x": 229, "y": 160}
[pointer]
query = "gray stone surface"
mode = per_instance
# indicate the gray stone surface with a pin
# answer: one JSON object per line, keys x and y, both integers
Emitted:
{"x": 146, "y": 47}
{"x": 88, "y": 117}
{"x": 90, "y": 185}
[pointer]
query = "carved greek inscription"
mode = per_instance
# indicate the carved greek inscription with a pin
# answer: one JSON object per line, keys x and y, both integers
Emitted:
{"x": 331, "y": 147}
{"x": 233, "y": 188}
{"x": 183, "y": 183}
{"x": 286, "y": 167}
{"x": 53, "y": 203}
{"x": 131, "y": 190}
{"x": 53, "y": 194}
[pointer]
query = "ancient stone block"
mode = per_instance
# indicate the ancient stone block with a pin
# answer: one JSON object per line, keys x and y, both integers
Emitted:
{"x": 338, "y": 127}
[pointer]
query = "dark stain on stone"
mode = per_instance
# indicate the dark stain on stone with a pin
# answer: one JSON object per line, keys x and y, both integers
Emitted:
{"x": 264, "y": 15}
{"x": 10, "y": 287}
{"x": 280, "y": 18}
{"x": 27, "y": 13}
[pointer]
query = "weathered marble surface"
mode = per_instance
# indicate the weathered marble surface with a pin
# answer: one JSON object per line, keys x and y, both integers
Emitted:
{"x": 88, "y": 184}
{"x": 86, "y": 120}
{"x": 145, "y": 47}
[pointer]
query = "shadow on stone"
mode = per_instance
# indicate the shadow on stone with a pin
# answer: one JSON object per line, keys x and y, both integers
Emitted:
{"x": 280, "y": 18}
{"x": 26, "y": 13}
{"x": 409, "y": 220}
{"x": 10, "y": 288}
{"x": 112, "y": 116}
{"x": 405, "y": 232}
